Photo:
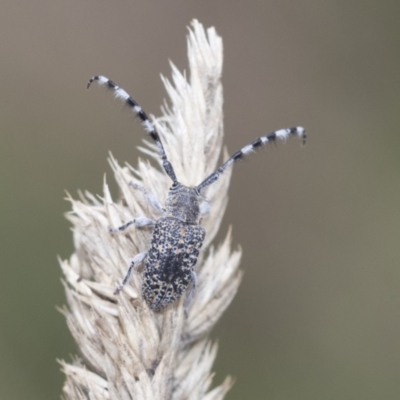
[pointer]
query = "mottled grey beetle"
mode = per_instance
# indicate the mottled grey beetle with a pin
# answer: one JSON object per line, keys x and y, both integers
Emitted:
{"x": 177, "y": 236}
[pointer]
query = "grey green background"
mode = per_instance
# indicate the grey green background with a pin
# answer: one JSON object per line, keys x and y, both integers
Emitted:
{"x": 317, "y": 315}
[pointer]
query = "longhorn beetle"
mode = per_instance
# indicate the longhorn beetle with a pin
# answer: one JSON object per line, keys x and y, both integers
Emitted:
{"x": 177, "y": 236}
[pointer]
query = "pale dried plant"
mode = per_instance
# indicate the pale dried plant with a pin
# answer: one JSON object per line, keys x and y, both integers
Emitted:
{"x": 128, "y": 351}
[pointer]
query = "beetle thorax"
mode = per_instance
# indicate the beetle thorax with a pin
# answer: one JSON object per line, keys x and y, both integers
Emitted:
{"x": 183, "y": 203}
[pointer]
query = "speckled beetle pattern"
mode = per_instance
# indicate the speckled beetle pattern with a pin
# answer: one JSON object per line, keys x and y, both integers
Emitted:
{"x": 169, "y": 263}
{"x": 169, "y": 267}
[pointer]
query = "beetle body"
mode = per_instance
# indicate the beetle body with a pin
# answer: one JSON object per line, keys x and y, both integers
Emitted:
{"x": 174, "y": 249}
{"x": 177, "y": 236}
{"x": 170, "y": 261}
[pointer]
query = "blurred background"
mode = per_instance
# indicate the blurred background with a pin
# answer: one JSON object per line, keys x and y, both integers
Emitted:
{"x": 318, "y": 313}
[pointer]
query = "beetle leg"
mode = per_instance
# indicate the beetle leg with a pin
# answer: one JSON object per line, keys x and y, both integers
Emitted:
{"x": 150, "y": 198}
{"x": 140, "y": 222}
{"x": 138, "y": 259}
{"x": 190, "y": 292}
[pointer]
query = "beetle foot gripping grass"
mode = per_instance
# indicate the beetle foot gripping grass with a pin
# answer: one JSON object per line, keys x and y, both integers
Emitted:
{"x": 144, "y": 285}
